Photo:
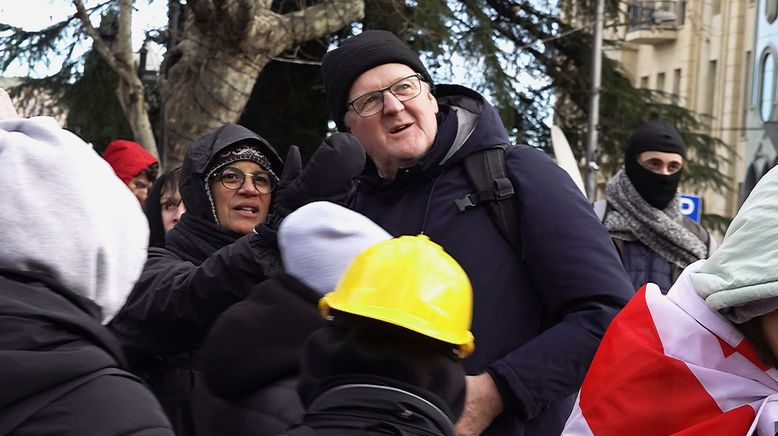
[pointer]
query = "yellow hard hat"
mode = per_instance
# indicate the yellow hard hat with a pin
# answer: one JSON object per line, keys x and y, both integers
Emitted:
{"x": 410, "y": 282}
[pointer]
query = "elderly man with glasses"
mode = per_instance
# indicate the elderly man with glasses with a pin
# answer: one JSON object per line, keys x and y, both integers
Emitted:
{"x": 539, "y": 309}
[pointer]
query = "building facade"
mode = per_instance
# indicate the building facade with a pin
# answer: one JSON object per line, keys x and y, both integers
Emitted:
{"x": 701, "y": 53}
{"x": 761, "y": 152}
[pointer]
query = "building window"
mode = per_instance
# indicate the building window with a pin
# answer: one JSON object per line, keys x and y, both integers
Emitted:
{"x": 676, "y": 86}
{"x": 716, "y": 5}
{"x": 771, "y": 10}
{"x": 747, "y": 89}
{"x": 710, "y": 92}
{"x": 644, "y": 82}
{"x": 660, "y": 82}
{"x": 767, "y": 85}
{"x": 681, "y": 12}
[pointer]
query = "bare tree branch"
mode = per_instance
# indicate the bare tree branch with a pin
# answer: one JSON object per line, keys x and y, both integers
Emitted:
{"x": 130, "y": 90}
{"x": 323, "y": 18}
{"x": 99, "y": 43}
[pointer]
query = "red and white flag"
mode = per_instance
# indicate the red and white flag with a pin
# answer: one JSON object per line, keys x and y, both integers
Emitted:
{"x": 668, "y": 365}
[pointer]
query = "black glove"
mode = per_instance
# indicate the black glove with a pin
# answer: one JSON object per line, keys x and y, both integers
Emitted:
{"x": 328, "y": 176}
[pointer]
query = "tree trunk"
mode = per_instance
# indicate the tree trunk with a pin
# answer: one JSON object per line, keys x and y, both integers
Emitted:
{"x": 208, "y": 77}
{"x": 130, "y": 91}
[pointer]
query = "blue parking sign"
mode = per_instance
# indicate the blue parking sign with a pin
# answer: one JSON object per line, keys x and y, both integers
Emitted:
{"x": 691, "y": 206}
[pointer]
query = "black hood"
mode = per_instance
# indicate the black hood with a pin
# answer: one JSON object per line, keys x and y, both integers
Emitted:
{"x": 199, "y": 156}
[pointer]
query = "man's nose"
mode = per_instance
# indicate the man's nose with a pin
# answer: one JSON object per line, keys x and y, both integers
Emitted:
{"x": 392, "y": 104}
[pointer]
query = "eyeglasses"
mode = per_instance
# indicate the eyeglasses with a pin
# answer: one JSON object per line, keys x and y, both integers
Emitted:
{"x": 373, "y": 102}
{"x": 233, "y": 178}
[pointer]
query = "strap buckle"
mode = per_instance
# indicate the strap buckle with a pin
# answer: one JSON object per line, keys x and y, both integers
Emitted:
{"x": 466, "y": 202}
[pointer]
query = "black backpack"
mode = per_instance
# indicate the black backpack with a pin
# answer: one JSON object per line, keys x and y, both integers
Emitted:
{"x": 486, "y": 171}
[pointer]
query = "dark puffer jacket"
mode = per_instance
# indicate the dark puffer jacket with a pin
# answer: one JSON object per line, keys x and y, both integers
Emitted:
{"x": 251, "y": 358}
{"x": 203, "y": 269}
{"x": 644, "y": 265}
{"x": 361, "y": 376}
{"x": 538, "y": 318}
{"x": 365, "y": 409}
{"x": 62, "y": 371}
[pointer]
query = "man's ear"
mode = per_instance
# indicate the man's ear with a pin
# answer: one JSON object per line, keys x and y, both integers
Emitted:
{"x": 433, "y": 99}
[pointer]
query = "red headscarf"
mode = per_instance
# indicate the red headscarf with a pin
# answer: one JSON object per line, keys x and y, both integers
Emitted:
{"x": 127, "y": 158}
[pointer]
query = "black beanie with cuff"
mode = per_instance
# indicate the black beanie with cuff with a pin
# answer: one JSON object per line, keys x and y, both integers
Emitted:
{"x": 342, "y": 66}
{"x": 655, "y": 135}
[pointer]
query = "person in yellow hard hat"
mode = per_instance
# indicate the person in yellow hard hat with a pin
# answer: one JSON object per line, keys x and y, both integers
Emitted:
{"x": 388, "y": 362}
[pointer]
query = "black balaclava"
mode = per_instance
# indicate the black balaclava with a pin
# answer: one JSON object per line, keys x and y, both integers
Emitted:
{"x": 654, "y": 135}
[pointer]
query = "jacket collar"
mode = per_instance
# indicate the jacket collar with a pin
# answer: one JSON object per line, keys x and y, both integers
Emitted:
{"x": 388, "y": 400}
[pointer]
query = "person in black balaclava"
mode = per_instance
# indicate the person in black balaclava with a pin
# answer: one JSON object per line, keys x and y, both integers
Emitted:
{"x": 641, "y": 210}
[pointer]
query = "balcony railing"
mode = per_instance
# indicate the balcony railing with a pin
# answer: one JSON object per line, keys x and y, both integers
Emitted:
{"x": 654, "y": 22}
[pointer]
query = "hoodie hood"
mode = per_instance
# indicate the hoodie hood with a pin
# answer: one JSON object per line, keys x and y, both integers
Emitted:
{"x": 82, "y": 227}
{"x": 199, "y": 156}
{"x": 740, "y": 279}
{"x": 478, "y": 123}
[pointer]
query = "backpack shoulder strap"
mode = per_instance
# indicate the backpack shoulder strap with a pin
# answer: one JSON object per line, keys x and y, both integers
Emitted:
{"x": 487, "y": 173}
{"x": 600, "y": 208}
{"x": 698, "y": 231}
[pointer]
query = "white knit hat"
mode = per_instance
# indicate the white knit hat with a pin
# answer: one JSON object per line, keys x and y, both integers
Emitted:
{"x": 319, "y": 240}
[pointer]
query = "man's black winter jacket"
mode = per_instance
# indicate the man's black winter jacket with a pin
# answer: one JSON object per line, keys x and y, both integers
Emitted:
{"x": 537, "y": 319}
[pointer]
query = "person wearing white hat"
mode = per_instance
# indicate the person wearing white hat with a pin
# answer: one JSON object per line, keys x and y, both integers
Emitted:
{"x": 251, "y": 357}
{"x": 73, "y": 244}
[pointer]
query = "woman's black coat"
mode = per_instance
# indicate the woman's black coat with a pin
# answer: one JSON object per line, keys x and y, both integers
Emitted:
{"x": 251, "y": 358}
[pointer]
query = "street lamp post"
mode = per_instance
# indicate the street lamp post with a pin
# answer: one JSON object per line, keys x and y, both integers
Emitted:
{"x": 594, "y": 102}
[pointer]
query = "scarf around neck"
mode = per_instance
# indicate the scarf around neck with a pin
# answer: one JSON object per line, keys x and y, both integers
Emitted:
{"x": 194, "y": 239}
{"x": 633, "y": 219}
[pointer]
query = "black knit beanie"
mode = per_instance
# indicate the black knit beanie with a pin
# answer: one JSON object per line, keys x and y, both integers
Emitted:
{"x": 655, "y": 135}
{"x": 342, "y": 66}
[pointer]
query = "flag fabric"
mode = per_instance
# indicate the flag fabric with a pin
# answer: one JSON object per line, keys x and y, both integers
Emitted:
{"x": 668, "y": 365}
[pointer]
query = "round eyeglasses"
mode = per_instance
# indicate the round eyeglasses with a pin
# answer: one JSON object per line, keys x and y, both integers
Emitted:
{"x": 373, "y": 102}
{"x": 233, "y": 178}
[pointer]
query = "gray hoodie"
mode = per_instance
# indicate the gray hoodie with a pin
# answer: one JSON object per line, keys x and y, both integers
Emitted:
{"x": 64, "y": 213}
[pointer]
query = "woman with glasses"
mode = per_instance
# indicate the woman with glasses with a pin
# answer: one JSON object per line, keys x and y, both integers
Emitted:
{"x": 232, "y": 183}
{"x": 210, "y": 260}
